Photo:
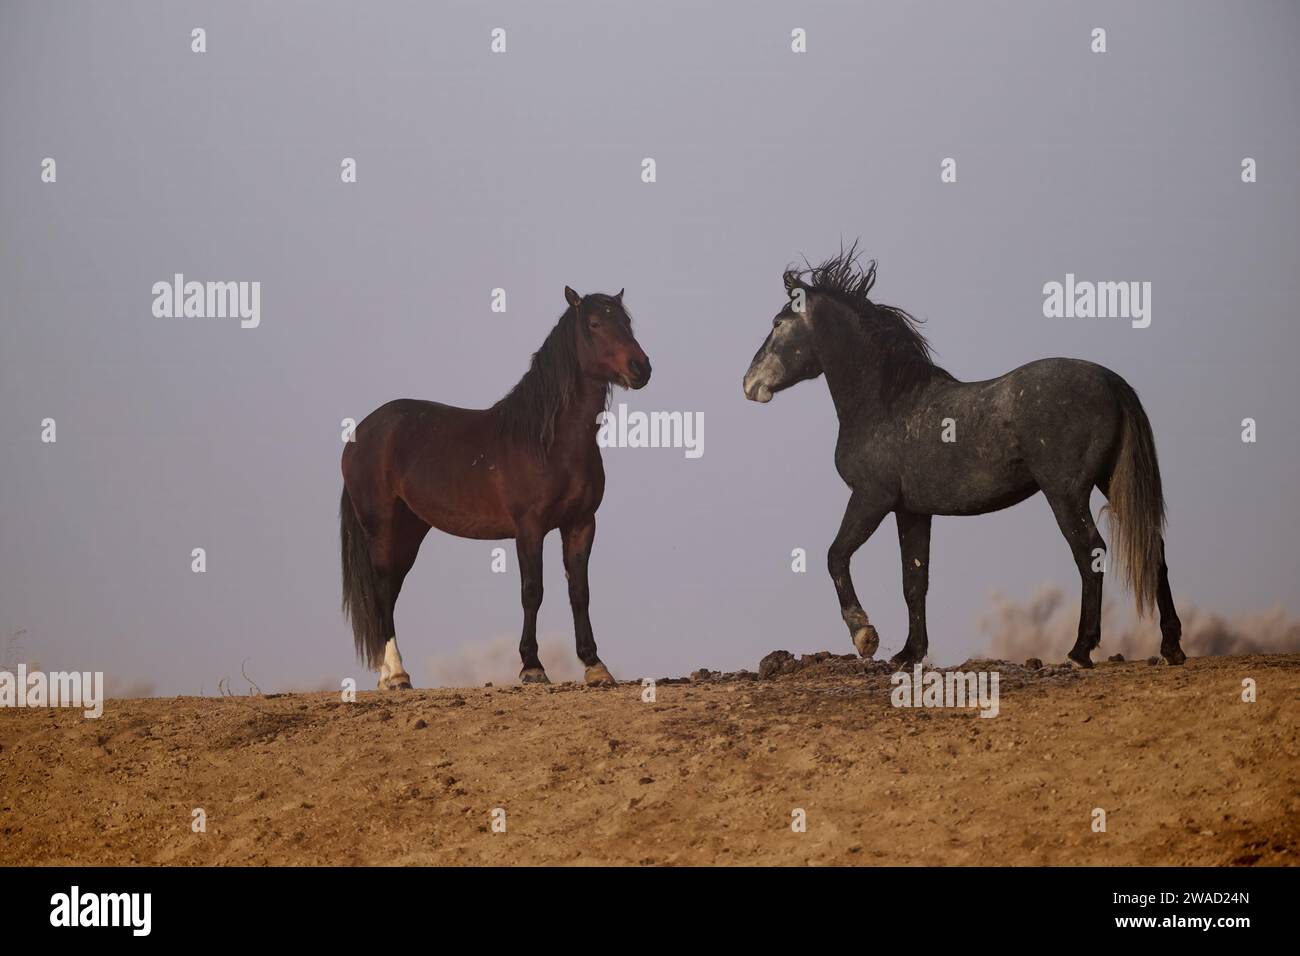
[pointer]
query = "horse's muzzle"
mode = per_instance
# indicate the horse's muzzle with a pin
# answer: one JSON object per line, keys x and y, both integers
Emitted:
{"x": 755, "y": 391}
{"x": 638, "y": 373}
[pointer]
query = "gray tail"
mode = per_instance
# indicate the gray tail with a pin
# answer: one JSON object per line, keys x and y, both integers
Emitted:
{"x": 1136, "y": 501}
{"x": 360, "y": 587}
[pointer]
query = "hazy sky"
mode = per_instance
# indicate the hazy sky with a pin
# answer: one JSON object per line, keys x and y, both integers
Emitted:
{"x": 522, "y": 171}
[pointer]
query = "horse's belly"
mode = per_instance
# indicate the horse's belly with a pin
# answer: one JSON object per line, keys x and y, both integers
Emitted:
{"x": 972, "y": 490}
{"x": 978, "y": 503}
{"x": 471, "y": 513}
{"x": 458, "y": 501}
{"x": 467, "y": 525}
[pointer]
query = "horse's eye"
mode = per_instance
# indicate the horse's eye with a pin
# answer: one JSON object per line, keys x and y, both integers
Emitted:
{"x": 595, "y": 324}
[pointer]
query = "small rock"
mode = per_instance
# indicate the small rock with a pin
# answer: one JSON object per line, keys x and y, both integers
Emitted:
{"x": 1034, "y": 664}
{"x": 774, "y": 663}
{"x": 420, "y": 724}
{"x": 1116, "y": 659}
{"x": 1153, "y": 661}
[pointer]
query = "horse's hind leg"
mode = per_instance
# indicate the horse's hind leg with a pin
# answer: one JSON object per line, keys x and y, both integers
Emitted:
{"x": 1074, "y": 518}
{"x": 528, "y": 546}
{"x": 1171, "y": 629}
{"x": 394, "y": 547}
{"x": 914, "y": 546}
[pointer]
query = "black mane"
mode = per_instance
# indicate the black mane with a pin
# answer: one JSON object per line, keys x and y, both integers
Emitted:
{"x": 529, "y": 410}
{"x": 893, "y": 335}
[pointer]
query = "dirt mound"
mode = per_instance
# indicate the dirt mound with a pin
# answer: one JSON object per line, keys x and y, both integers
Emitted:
{"x": 710, "y": 770}
{"x": 782, "y": 665}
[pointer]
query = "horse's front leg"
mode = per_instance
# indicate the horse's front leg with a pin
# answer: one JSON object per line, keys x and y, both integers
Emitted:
{"x": 865, "y": 512}
{"x": 528, "y": 546}
{"x": 577, "y": 539}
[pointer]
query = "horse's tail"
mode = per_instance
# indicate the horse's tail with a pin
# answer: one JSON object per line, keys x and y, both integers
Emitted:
{"x": 360, "y": 587}
{"x": 1136, "y": 500}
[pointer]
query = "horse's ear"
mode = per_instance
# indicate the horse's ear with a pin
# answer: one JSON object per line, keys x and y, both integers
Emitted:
{"x": 619, "y": 297}
{"x": 572, "y": 297}
{"x": 791, "y": 280}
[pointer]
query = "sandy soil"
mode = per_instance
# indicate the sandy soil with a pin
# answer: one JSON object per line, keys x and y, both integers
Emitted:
{"x": 709, "y": 773}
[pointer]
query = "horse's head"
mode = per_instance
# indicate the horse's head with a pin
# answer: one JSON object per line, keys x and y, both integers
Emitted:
{"x": 786, "y": 356}
{"x": 607, "y": 350}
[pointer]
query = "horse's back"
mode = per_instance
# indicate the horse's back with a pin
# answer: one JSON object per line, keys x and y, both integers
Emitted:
{"x": 1067, "y": 417}
{"x": 1062, "y": 394}
{"x": 1062, "y": 371}
{"x": 407, "y": 412}
{"x": 1006, "y": 436}
{"x": 408, "y": 434}
{"x": 442, "y": 461}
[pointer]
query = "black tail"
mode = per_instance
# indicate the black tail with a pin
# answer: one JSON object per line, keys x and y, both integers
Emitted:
{"x": 1137, "y": 504}
{"x": 360, "y": 587}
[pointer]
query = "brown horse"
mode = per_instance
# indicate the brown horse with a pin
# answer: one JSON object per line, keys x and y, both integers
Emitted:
{"x": 519, "y": 469}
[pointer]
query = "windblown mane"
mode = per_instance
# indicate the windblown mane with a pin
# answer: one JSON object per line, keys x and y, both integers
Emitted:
{"x": 529, "y": 410}
{"x": 894, "y": 336}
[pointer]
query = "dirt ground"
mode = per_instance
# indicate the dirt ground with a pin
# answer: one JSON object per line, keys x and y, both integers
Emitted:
{"x": 711, "y": 772}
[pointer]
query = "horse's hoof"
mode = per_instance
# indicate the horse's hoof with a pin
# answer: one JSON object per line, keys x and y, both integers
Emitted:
{"x": 1084, "y": 661}
{"x": 533, "y": 675}
{"x": 598, "y": 675}
{"x": 1174, "y": 657}
{"x": 398, "y": 681}
{"x": 866, "y": 640}
{"x": 905, "y": 658}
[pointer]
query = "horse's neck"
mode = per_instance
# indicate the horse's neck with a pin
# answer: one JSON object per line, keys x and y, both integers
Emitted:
{"x": 852, "y": 372}
{"x": 575, "y": 423}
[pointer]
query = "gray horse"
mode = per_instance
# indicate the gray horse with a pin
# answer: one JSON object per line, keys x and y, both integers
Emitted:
{"x": 915, "y": 441}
